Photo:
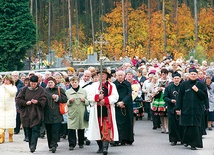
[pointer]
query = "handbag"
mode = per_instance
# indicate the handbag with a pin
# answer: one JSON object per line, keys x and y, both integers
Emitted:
{"x": 63, "y": 109}
{"x": 86, "y": 115}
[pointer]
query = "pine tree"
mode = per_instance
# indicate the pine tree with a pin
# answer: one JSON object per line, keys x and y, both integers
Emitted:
{"x": 17, "y": 33}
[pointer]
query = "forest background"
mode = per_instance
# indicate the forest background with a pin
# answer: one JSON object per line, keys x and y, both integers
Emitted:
{"x": 143, "y": 28}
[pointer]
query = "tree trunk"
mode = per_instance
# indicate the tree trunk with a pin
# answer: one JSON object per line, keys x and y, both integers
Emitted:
{"x": 149, "y": 23}
{"x": 196, "y": 23}
{"x": 49, "y": 27}
{"x": 92, "y": 21}
{"x": 77, "y": 23}
{"x": 124, "y": 27}
{"x": 126, "y": 21}
{"x": 70, "y": 29}
{"x": 164, "y": 24}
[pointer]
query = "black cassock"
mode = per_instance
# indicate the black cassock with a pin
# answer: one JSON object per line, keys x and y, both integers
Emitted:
{"x": 175, "y": 130}
{"x": 124, "y": 116}
{"x": 191, "y": 104}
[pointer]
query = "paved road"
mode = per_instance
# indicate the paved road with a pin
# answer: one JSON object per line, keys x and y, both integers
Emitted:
{"x": 147, "y": 142}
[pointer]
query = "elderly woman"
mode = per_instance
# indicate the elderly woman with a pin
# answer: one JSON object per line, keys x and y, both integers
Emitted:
{"x": 7, "y": 107}
{"x": 210, "y": 92}
{"x": 52, "y": 115}
{"x": 76, "y": 108}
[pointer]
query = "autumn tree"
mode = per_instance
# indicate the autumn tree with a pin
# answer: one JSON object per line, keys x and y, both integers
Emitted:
{"x": 137, "y": 32}
{"x": 185, "y": 31}
{"x": 206, "y": 32}
{"x": 17, "y": 33}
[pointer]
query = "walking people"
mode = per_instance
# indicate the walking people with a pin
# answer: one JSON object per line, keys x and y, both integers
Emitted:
{"x": 191, "y": 97}
{"x": 170, "y": 96}
{"x": 19, "y": 85}
{"x": 124, "y": 110}
{"x": 147, "y": 91}
{"x": 52, "y": 115}
{"x": 7, "y": 108}
{"x": 210, "y": 92}
{"x": 102, "y": 122}
{"x": 77, "y": 102}
{"x": 31, "y": 102}
{"x": 162, "y": 109}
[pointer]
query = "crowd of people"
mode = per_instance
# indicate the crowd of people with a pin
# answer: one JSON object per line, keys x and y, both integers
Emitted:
{"x": 176, "y": 95}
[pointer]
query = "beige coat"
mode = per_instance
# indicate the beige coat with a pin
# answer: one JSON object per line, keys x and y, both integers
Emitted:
{"x": 7, "y": 106}
{"x": 76, "y": 109}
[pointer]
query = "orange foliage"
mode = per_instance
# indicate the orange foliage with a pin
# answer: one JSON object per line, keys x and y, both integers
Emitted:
{"x": 206, "y": 31}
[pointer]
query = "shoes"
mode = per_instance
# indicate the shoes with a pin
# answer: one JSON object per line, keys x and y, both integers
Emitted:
{"x": 163, "y": 130}
{"x": 2, "y": 138}
{"x": 210, "y": 128}
{"x": 71, "y": 148}
{"x": 32, "y": 149}
{"x": 185, "y": 145}
{"x": 16, "y": 133}
{"x": 81, "y": 146}
{"x": 114, "y": 143}
{"x": 42, "y": 136}
{"x": 26, "y": 139}
{"x": 87, "y": 142}
{"x": 154, "y": 128}
{"x": 64, "y": 136}
{"x": 193, "y": 148}
{"x": 10, "y": 137}
{"x": 173, "y": 143}
{"x": 100, "y": 150}
{"x": 53, "y": 149}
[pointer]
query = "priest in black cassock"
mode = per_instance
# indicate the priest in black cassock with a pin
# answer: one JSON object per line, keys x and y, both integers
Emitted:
{"x": 124, "y": 110}
{"x": 170, "y": 96}
{"x": 190, "y": 106}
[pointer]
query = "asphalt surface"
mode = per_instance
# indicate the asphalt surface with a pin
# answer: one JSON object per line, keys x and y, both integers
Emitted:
{"x": 147, "y": 142}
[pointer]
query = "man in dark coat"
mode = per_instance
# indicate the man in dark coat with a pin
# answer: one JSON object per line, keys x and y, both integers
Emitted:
{"x": 170, "y": 96}
{"x": 191, "y": 97}
{"x": 124, "y": 110}
{"x": 19, "y": 85}
{"x": 31, "y": 101}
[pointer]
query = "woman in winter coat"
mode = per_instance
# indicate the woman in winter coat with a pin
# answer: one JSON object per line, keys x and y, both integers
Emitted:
{"x": 76, "y": 107}
{"x": 7, "y": 108}
{"x": 52, "y": 115}
{"x": 210, "y": 92}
